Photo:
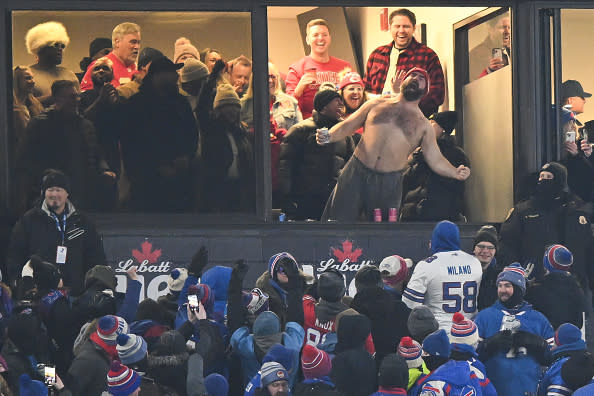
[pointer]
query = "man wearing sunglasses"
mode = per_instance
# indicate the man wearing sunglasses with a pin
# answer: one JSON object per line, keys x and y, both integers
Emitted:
{"x": 47, "y": 42}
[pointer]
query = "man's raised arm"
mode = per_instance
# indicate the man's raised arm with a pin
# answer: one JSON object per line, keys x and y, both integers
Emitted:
{"x": 437, "y": 162}
{"x": 347, "y": 127}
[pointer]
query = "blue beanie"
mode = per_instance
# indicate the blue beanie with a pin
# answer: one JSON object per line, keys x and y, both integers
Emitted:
{"x": 568, "y": 333}
{"x": 267, "y": 323}
{"x": 271, "y": 372}
{"x": 280, "y": 354}
{"x": 437, "y": 344}
{"x": 557, "y": 258}
{"x": 216, "y": 385}
{"x": 30, "y": 387}
{"x": 131, "y": 348}
{"x": 514, "y": 274}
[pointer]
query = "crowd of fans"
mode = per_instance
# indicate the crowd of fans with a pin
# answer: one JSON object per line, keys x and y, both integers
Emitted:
{"x": 407, "y": 330}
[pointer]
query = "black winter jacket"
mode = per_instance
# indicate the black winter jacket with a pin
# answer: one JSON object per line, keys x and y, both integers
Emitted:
{"x": 36, "y": 233}
{"x": 426, "y": 196}
{"x": 306, "y": 167}
{"x": 529, "y": 229}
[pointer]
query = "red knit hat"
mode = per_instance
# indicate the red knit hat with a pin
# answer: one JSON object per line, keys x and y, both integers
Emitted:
{"x": 423, "y": 72}
{"x": 314, "y": 362}
{"x": 350, "y": 78}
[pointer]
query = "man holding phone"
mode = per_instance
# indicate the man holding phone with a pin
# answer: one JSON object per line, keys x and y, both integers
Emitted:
{"x": 494, "y": 52}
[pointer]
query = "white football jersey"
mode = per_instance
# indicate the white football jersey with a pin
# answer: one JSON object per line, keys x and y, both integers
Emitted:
{"x": 447, "y": 282}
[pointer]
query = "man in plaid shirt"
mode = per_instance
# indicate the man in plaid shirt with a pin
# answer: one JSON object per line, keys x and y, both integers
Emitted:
{"x": 384, "y": 64}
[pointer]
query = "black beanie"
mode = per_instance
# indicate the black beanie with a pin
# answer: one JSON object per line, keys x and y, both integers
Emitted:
{"x": 324, "y": 97}
{"x": 55, "y": 178}
{"x": 46, "y": 275}
{"x": 487, "y": 233}
{"x": 446, "y": 119}
{"x": 331, "y": 286}
{"x": 559, "y": 172}
{"x": 368, "y": 276}
{"x": 393, "y": 372}
{"x": 98, "y": 44}
{"x": 578, "y": 370}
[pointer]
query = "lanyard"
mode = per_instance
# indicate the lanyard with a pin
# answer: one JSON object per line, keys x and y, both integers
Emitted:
{"x": 60, "y": 226}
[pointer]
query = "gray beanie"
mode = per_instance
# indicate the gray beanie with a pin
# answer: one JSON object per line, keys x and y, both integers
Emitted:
{"x": 421, "y": 323}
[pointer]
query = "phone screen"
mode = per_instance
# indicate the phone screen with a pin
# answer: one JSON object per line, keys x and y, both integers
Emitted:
{"x": 193, "y": 302}
{"x": 50, "y": 374}
{"x": 497, "y": 53}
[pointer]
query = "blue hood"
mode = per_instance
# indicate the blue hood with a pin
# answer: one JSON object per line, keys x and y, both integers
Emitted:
{"x": 217, "y": 278}
{"x": 445, "y": 237}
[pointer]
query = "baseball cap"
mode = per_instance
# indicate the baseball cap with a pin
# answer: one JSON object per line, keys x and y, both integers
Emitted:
{"x": 571, "y": 88}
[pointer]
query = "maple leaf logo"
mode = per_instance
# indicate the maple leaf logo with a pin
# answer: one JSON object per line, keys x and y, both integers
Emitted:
{"x": 146, "y": 253}
{"x": 347, "y": 252}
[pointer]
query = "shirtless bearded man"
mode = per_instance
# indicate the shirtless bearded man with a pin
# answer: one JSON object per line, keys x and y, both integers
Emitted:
{"x": 393, "y": 128}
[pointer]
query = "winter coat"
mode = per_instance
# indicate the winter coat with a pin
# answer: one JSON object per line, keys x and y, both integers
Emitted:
{"x": 170, "y": 371}
{"x": 217, "y": 278}
{"x": 456, "y": 378}
{"x": 530, "y": 229}
{"x": 307, "y": 168}
{"x": 358, "y": 361}
{"x": 427, "y": 196}
{"x": 68, "y": 144}
{"x": 488, "y": 288}
{"x": 316, "y": 387}
{"x": 159, "y": 138}
{"x": 388, "y": 319}
{"x": 551, "y": 380}
{"x": 36, "y": 233}
{"x": 559, "y": 297}
{"x": 88, "y": 372}
{"x": 244, "y": 345}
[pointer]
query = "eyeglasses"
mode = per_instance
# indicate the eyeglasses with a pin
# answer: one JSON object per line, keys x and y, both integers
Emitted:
{"x": 485, "y": 247}
{"x": 58, "y": 45}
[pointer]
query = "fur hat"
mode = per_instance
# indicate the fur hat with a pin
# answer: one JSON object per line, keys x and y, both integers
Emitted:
{"x": 464, "y": 331}
{"x": 103, "y": 274}
{"x": 437, "y": 344}
{"x": 421, "y": 323}
{"x": 323, "y": 98}
{"x": 487, "y": 233}
{"x": 411, "y": 351}
{"x": 121, "y": 380}
{"x": 514, "y": 274}
{"x": 393, "y": 372}
{"x": 314, "y": 362}
{"x": 45, "y": 34}
{"x": 558, "y": 258}
{"x": 184, "y": 46}
{"x": 331, "y": 286}
{"x": 271, "y": 372}
{"x": 193, "y": 70}
{"x": 31, "y": 387}
{"x": 109, "y": 327}
{"x": 226, "y": 95}
{"x": 216, "y": 385}
{"x": 131, "y": 348}
{"x": 177, "y": 279}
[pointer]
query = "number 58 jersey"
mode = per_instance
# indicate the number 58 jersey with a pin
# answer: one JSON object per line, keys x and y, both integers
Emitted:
{"x": 446, "y": 283}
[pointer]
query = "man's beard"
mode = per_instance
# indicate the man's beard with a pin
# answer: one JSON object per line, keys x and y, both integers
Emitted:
{"x": 411, "y": 92}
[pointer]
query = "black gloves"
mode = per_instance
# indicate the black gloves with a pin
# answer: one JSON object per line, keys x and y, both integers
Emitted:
{"x": 199, "y": 261}
{"x": 500, "y": 342}
{"x": 292, "y": 271}
{"x": 217, "y": 69}
{"x": 535, "y": 345}
{"x": 240, "y": 269}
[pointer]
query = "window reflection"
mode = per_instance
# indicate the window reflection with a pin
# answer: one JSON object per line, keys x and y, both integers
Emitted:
{"x": 494, "y": 51}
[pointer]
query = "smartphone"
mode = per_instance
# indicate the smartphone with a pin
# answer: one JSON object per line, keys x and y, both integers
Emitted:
{"x": 49, "y": 374}
{"x": 193, "y": 302}
{"x": 497, "y": 53}
{"x": 570, "y": 136}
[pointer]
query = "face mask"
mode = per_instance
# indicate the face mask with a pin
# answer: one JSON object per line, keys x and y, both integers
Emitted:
{"x": 547, "y": 188}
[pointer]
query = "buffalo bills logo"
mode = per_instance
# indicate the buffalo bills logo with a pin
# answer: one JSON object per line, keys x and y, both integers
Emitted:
{"x": 468, "y": 391}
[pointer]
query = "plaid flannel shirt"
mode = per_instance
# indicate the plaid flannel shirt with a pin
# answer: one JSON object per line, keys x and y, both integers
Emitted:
{"x": 415, "y": 55}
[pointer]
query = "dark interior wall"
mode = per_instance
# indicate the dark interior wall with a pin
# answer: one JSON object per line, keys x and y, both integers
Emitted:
{"x": 230, "y": 32}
